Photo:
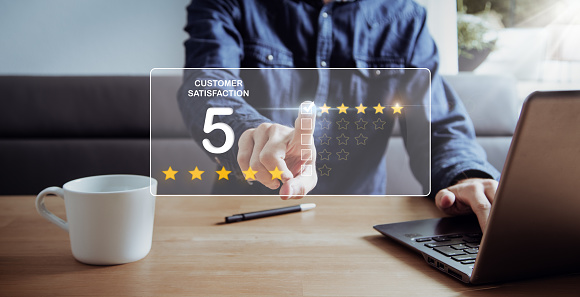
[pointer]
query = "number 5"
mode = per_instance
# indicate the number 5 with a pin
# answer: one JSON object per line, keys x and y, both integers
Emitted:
{"x": 209, "y": 126}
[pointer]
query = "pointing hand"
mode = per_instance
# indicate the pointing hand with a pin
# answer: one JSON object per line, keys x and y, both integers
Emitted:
{"x": 290, "y": 150}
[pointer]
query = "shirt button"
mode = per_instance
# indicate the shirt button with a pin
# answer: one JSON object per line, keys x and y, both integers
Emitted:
{"x": 323, "y": 64}
{"x": 377, "y": 72}
{"x": 324, "y": 14}
{"x": 270, "y": 57}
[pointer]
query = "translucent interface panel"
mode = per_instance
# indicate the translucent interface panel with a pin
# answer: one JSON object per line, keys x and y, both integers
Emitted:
{"x": 271, "y": 131}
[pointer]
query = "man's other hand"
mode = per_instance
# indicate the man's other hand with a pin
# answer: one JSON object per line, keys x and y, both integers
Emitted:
{"x": 291, "y": 150}
{"x": 469, "y": 195}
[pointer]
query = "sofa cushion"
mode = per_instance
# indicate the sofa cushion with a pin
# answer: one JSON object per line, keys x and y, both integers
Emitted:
{"x": 83, "y": 106}
{"x": 491, "y": 101}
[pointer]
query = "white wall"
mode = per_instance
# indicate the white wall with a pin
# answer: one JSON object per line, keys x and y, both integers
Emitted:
{"x": 129, "y": 37}
{"x": 442, "y": 24}
{"x": 91, "y": 37}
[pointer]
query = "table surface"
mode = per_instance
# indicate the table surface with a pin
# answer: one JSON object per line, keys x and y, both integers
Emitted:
{"x": 329, "y": 251}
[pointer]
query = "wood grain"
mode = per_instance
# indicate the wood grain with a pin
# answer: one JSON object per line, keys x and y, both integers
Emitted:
{"x": 330, "y": 251}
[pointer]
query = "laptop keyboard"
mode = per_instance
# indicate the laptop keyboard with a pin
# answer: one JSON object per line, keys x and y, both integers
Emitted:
{"x": 462, "y": 248}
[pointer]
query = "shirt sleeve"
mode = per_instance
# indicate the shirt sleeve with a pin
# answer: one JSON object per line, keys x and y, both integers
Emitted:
{"x": 454, "y": 150}
{"x": 215, "y": 42}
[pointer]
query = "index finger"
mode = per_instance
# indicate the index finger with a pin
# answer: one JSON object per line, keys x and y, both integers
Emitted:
{"x": 476, "y": 199}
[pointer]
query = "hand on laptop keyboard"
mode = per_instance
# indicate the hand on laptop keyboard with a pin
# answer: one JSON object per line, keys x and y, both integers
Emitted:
{"x": 468, "y": 195}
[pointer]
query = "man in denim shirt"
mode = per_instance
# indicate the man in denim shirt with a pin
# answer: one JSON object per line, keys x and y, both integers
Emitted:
{"x": 325, "y": 34}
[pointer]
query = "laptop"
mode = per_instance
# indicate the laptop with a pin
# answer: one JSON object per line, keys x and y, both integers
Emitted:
{"x": 534, "y": 225}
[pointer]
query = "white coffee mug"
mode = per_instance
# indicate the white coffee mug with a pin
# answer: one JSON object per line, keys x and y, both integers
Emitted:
{"x": 109, "y": 217}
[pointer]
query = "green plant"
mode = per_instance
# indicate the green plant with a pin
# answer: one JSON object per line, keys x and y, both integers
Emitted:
{"x": 515, "y": 13}
{"x": 475, "y": 32}
{"x": 471, "y": 34}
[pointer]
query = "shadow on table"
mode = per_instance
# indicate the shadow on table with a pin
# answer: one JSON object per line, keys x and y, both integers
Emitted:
{"x": 44, "y": 265}
{"x": 563, "y": 285}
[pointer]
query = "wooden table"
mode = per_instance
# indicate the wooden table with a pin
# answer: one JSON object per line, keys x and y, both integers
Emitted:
{"x": 330, "y": 251}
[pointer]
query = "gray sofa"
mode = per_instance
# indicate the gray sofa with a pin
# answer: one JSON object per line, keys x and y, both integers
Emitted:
{"x": 54, "y": 129}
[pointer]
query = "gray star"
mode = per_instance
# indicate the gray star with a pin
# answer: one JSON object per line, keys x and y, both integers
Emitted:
{"x": 343, "y": 139}
{"x": 342, "y": 155}
{"x": 324, "y": 170}
{"x": 324, "y": 124}
{"x": 324, "y": 155}
{"x": 341, "y": 123}
{"x": 324, "y": 139}
{"x": 379, "y": 124}
{"x": 361, "y": 124}
{"x": 361, "y": 139}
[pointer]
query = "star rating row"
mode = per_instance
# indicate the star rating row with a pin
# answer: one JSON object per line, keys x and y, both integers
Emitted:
{"x": 325, "y": 155}
{"x": 360, "y": 124}
{"x": 343, "y": 139}
{"x": 249, "y": 174}
{"x": 361, "y": 108}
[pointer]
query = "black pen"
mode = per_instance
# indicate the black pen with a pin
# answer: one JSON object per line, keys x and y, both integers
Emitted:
{"x": 269, "y": 212}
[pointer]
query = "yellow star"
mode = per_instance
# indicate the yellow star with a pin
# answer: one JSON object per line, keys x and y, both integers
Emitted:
{"x": 324, "y": 109}
{"x": 361, "y": 108}
{"x": 196, "y": 173}
{"x": 397, "y": 108}
{"x": 250, "y": 173}
{"x": 379, "y": 108}
{"x": 342, "y": 108}
{"x": 276, "y": 173}
{"x": 223, "y": 173}
{"x": 170, "y": 173}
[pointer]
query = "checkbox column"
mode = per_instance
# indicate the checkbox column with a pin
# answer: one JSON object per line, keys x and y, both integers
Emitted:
{"x": 306, "y": 170}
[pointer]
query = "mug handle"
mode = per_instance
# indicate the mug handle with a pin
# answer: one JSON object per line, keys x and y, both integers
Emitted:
{"x": 41, "y": 208}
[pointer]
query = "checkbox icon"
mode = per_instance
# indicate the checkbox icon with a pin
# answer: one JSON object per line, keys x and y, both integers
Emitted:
{"x": 306, "y": 170}
{"x": 306, "y": 124}
{"x": 307, "y": 108}
{"x": 306, "y": 154}
{"x": 305, "y": 139}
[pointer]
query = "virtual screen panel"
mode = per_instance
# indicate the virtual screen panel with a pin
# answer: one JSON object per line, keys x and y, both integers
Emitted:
{"x": 251, "y": 131}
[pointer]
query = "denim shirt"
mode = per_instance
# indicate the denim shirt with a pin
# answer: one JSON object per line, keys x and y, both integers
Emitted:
{"x": 309, "y": 34}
